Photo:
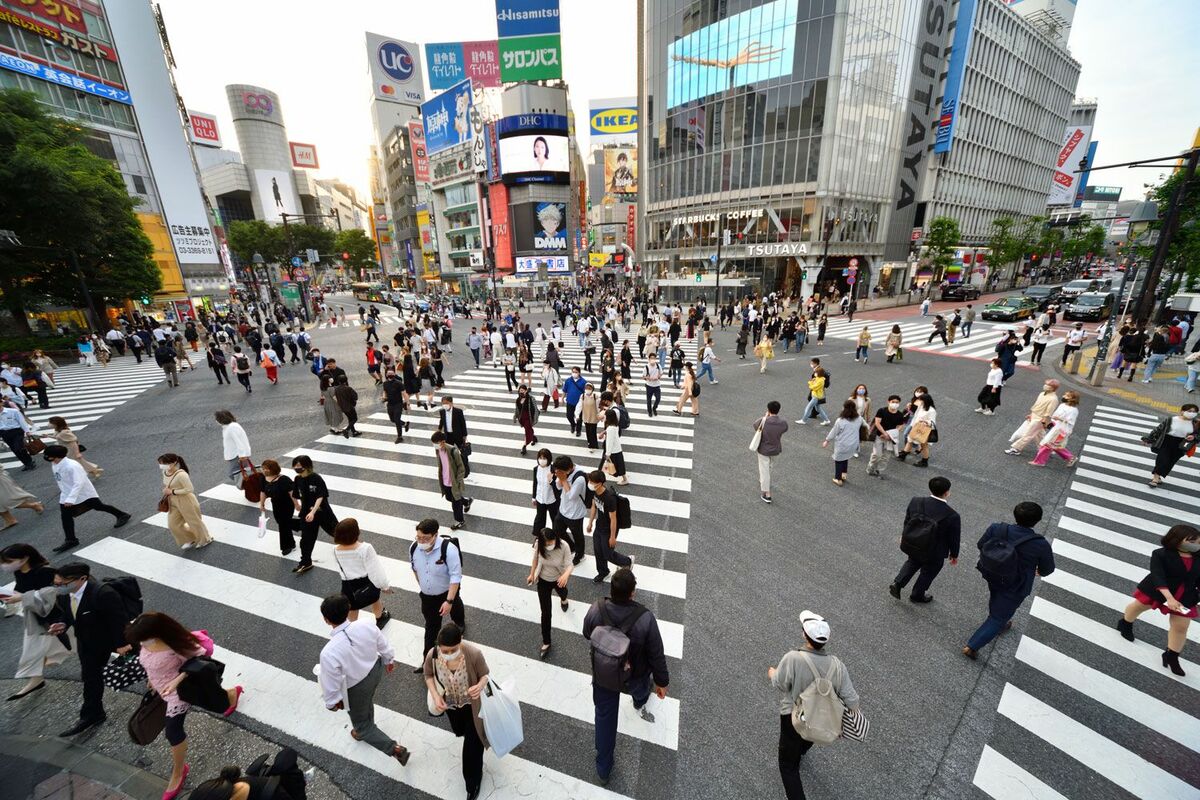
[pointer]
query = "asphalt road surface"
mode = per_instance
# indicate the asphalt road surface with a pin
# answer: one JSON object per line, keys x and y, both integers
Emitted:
{"x": 1061, "y": 706}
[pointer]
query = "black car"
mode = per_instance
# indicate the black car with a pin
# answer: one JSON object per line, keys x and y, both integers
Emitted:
{"x": 960, "y": 291}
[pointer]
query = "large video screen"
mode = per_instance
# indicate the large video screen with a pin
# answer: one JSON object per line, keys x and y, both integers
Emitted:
{"x": 752, "y": 46}
{"x": 535, "y": 153}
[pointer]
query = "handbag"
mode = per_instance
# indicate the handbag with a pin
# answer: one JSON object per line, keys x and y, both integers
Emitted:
{"x": 609, "y": 467}
{"x": 855, "y": 726}
{"x": 756, "y": 439}
{"x": 921, "y": 433}
{"x": 364, "y": 594}
{"x": 441, "y": 691}
{"x": 34, "y": 444}
{"x": 164, "y": 504}
{"x": 933, "y": 434}
{"x": 148, "y": 720}
{"x": 251, "y": 480}
{"x": 123, "y": 671}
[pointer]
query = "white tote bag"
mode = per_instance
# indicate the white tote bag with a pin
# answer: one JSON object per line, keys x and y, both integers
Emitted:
{"x": 756, "y": 439}
{"x": 501, "y": 715}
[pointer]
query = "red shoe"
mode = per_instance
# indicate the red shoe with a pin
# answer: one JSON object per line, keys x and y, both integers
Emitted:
{"x": 236, "y": 697}
{"x": 171, "y": 794}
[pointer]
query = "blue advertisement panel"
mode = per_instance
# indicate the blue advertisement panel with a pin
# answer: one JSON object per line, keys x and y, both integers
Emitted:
{"x": 1083, "y": 179}
{"x": 532, "y": 122}
{"x": 447, "y": 118}
{"x": 70, "y": 80}
{"x": 752, "y": 46}
{"x": 526, "y": 17}
{"x": 959, "y": 50}
{"x": 446, "y": 64}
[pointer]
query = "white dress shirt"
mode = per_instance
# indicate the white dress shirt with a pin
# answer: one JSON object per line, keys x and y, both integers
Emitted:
{"x": 351, "y": 653}
{"x": 11, "y": 418}
{"x": 73, "y": 484}
{"x": 235, "y": 440}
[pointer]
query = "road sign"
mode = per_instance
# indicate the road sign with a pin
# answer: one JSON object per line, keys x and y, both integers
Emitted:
{"x": 713, "y": 258}
{"x": 845, "y": 273}
{"x": 299, "y": 274}
{"x": 916, "y": 234}
{"x": 853, "y": 263}
{"x": 850, "y": 280}
{"x": 313, "y": 256}
{"x": 297, "y": 261}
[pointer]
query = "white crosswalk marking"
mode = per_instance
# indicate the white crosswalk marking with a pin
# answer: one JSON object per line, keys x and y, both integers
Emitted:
{"x": 1106, "y": 706}
{"x": 980, "y": 345}
{"x": 388, "y": 487}
{"x": 84, "y": 394}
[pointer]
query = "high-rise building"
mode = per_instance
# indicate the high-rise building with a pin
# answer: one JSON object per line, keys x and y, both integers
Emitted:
{"x": 107, "y": 66}
{"x": 814, "y": 132}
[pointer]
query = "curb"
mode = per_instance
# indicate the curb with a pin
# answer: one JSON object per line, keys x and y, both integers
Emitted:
{"x": 137, "y": 784}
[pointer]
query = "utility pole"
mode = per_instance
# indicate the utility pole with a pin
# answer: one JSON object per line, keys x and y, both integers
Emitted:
{"x": 1170, "y": 223}
{"x": 721, "y": 234}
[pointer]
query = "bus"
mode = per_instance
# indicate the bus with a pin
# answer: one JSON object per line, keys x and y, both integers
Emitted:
{"x": 369, "y": 292}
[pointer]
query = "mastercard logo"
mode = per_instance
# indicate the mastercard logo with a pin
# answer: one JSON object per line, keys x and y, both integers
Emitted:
{"x": 383, "y": 87}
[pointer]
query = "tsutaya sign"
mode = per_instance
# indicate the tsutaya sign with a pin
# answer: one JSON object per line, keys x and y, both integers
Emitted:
{"x": 777, "y": 249}
{"x": 742, "y": 213}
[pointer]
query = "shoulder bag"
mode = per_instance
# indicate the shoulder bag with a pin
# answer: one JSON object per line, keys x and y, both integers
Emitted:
{"x": 34, "y": 444}
{"x": 364, "y": 592}
{"x": 756, "y": 439}
{"x": 148, "y": 720}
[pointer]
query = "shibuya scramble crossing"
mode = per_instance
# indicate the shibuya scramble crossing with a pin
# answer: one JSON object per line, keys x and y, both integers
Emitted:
{"x": 782, "y": 399}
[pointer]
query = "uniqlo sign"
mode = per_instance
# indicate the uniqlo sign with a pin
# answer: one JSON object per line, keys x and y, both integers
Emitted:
{"x": 204, "y": 129}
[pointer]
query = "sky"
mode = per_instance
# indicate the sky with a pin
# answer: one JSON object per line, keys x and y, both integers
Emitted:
{"x": 1139, "y": 61}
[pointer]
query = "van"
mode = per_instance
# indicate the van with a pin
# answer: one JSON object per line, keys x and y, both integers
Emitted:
{"x": 1091, "y": 306}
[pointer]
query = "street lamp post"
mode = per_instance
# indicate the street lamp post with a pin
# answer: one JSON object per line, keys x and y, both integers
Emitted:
{"x": 1170, "y": 222}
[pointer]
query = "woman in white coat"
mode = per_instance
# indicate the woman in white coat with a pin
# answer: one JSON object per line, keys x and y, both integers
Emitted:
{"x": 35, "y": 594}
{"x": 235, "y": 442}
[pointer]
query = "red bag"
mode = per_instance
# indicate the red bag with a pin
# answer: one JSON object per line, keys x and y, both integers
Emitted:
{"x": 251, "y": 481}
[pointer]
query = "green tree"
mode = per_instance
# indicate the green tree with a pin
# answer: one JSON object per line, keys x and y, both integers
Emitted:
{"x": 1004, "y": 243}
{"x": 58, "y": 197}
{"x": 940, "y": 245}
{"x": 1184, "y": 253}
{"x": 248, "y": 237}
{"x": 360, "y": 247}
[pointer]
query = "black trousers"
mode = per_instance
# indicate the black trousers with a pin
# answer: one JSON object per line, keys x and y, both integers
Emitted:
{"x": 431, "y": 604}
{"x": 69, "y": 513}
{"x": 653, "y": 398}
{"x": 574, "y": 421}
{"x": 456, "y": 505}
{"x": 395, "y": 412}
{"x": 462, "y": 722}
{"x": 510, "y": 378}
{"x": 590, "y": 429}
{"x": 15, "y": 439}
{"x": 222, "y": 374}
{"x": 1036, "y": 356}
{"x": 545, "y": 512}
{"x": 570, "y": 531}
{"x": 544, "y": 589}
{"x": 1169, "y": 453}
{"x": 935, "y": 335}
{"x": 928, "y": 569}
{"x": 91, "y": 665}
{"x": 351, "y": 418}
{"x": 287, "y": 530}
{"x": 792, "y": 748}
{"x": 308, "y": 532}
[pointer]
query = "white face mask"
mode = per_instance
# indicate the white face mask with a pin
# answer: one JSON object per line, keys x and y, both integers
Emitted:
{"x": 453, "y": 654}
{"x": 893, "y": 406}
{"x": 1189, "y": 415}
{"x": 860, "y": 392}
{"x": 593, "y": 486}
{"x": 10, "y": 566}
{"x": 543, "y": 462}
{"x": 587, "y": 391}
{"x": 428, "y": 547}
{"x": 164, "y": 467}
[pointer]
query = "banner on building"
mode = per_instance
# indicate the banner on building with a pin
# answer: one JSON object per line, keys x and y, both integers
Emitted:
{"x": 395, "y": 67}
{"x": 553, "y": 265}
{"x": 631, "y": 227}
{"x": 276, "y": 192}
{"x": 597, "y": 259}
{"x": 613, "y": 119}
{"x": 64, "y": 77}
{"x": 453, "y": 62}
{"x": 956, "y": 70}
{"x": 66, "y": 14}
{"x": 551, "y": 230}
{"x": 620, "y": 171}
{"x": 1081, "y": 187}
{"x": 540, "y": 158}
{"x": 416, "y": 145}
{"x": 304, "y": 156}
{"x": 501, "y": 230}
{"x": 203, "y": 129}
{"x": 59, "y": 36}
{"x": 1076, "y": 141}
{"x": 447, "y": 118}
{"x": 531, "y": 58}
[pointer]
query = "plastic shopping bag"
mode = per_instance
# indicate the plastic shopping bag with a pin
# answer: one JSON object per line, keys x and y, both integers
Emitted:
{"x": 501, "y": 715}
{"x": 262, "y": 525}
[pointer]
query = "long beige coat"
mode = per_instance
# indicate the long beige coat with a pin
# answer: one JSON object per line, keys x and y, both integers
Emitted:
{"x": 184, "y": 519}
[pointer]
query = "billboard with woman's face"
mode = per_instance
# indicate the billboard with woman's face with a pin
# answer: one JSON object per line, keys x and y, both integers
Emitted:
{"x": 542, "y": 157}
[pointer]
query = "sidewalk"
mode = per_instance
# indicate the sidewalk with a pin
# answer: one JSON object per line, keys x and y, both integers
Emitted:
{"x": 103, "y": 764}
{"x": 1164, "y": 394}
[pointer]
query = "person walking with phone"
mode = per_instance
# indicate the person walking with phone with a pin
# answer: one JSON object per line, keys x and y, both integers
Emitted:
{"x": 1172, "y": 587}
{"x": 311, "y": 496}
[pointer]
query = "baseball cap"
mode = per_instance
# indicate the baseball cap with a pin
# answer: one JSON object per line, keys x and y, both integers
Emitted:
{"x": 815, "y": 626}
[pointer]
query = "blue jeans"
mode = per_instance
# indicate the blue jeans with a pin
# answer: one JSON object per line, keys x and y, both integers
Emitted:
{"x": 966, "y": 329}
{"x": 1193, "y": 374}
{"x": 862, "y": 352}
{"x": 1001, "y": 607}
{"x": 815, "y": 404}
{"x": 582, "y": 338}
{"x": 1153, "y": 363}
{"x": 662, "y": 358}
{"x": 706, "y": 369}
{"x": 800, "y": 339}
{"x": 607, "y": 704}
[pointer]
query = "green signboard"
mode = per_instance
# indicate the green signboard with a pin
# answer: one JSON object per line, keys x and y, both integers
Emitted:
{"x": 290, "y": 292}
{"x": 531, "y": 58}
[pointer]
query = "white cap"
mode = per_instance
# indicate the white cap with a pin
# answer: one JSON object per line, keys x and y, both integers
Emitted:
{"x": 815, "y": 626}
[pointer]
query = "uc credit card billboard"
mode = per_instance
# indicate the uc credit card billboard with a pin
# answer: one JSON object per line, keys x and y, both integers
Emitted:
{"x": 752, "y": 46}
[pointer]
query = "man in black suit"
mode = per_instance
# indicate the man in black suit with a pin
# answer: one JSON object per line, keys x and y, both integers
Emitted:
{"x": 925, "y": 513}
{"x": 453, "y": 422}
{"x": 98, "y": 615}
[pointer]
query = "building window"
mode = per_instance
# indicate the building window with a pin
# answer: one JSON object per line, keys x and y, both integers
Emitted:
{"x": 139, "y": 185}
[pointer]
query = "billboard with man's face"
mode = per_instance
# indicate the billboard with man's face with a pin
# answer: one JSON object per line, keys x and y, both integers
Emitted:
{"x": 620, "y": 171}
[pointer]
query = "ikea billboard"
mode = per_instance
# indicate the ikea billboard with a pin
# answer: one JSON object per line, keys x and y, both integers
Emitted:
{"x": 613, "y": 120}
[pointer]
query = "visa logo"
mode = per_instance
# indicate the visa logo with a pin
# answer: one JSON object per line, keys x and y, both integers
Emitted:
{"x": 615, "y": 120}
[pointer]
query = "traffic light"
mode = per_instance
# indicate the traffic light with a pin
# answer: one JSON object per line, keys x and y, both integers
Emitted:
{"x": 345, "y": 256}
{"x": 803, "y": 274}
{"x": 699, "y": 277}
{"x": 145, "y": 300}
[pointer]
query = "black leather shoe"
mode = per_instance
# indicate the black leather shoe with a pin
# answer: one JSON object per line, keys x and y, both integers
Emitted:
{"x": 894, "y": 591}
{"x": 82, "y": 725}
{"x": 67, "y": 545}
{"x": 925, "y": 598}
{"x": 122, "y": 520}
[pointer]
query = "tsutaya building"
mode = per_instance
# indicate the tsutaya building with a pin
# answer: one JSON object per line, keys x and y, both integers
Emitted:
{"x": 851, "y": 124}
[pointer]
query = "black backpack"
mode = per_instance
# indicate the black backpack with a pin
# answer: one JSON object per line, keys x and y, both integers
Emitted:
{"x": 919, "y": 537}
{"x": 624, "y": 514}
{"x": 622, "y": 417}
{"x": 243, "y": 363}
{"x": 446, "y": 542}
{"x": 284, "y": 773}
{"x": 999, "y": 560}
{"x": 129, "y": 591}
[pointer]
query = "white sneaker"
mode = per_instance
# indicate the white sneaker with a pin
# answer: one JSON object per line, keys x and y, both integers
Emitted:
{"x": 826, "y": 422}
{"x": 987, "y": 412}
{"x": 801, "y": 422}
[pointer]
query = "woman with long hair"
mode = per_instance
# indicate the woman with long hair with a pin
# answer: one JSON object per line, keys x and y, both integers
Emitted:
{"x": 1062, "y": 423}
{"x": 428, "y": 380}
{"x": 612, "y": 445}
{"x": 892, "y": 345}
{"x": 164, "y": 646}
{"x": 525, "y": 414}
{"x": 183, "y": 515}
{"x": 46, "y": 365}
{"x": 34, "y": 591}
{"x": 551, "y": 569}
{"x": 1170, "y": 440}
{"x": 691, "y": 391}
{"x": 921, "y": 428}
{"x": 844, "y": 435}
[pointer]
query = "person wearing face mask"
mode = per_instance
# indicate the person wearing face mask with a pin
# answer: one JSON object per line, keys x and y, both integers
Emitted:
{"x": 1037, "y": 421}
{"x": 589, "y": 415}
{"x": 1171, "y": 439}
{"x": 311, "y": 497}
{"x": 571, "y": 488}
{"x": 545, "y": 491}
{"x": 1172, "y": 587}
{"x": 1006, "y": 351}
{"x": 278, "y": 488}
{"x": 183, "y": 517}
{"x": 393, "y": 394}
{"x": 921, "y": 428}
{"x": 98, "y": 617}
{"x": 34, "y": 592}
{"x": 525, "y": 414}
{"x": 932, "y": 532}
{"x": 452, "y": 475}
{"x": 603, "y": 517}
{"x": 77, "y": 495}
{"x": 989, "y": 395}
{"x": 551, "y": 568}
{"x": 573, "y": 389}
{"x": 885, "y": 435}
{"x": 1075, "y": 338}
{"x": 163, "y": 647}
{"x": 455, "y": 677}
{"x": 1062, "y": 423}
{"x": 453, "y": 422}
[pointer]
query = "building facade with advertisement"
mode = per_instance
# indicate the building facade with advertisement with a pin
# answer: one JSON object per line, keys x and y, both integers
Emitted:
{"x": 104, "y": 67}
{"x": 1009, "y": 88}
{"x": 822, "y": 143}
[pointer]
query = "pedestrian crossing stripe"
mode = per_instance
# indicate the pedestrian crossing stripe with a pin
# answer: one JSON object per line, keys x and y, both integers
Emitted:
{"x": 479, "y": 425}
{"x": 1111, "y": 521}
{"x": 353, "y": 322}
{"x": 84, "y": 394}
{"x": 981, "y": 344}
